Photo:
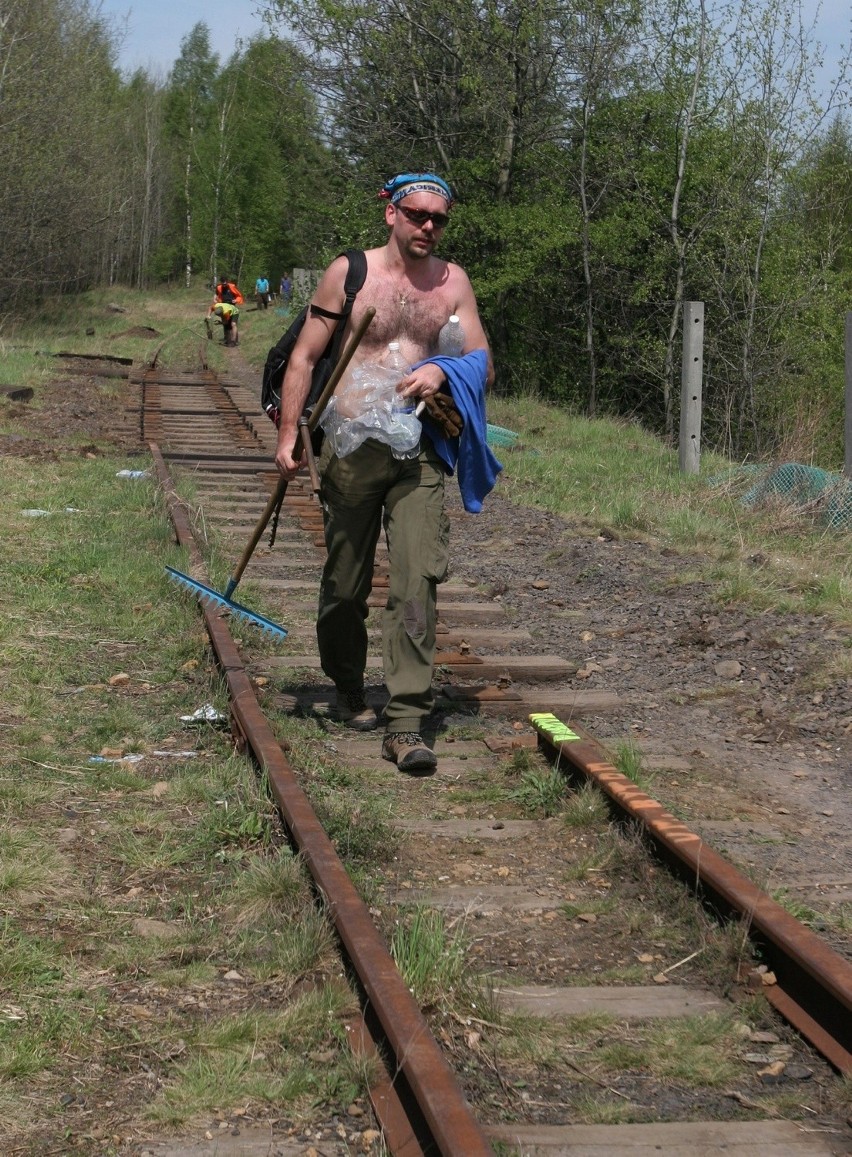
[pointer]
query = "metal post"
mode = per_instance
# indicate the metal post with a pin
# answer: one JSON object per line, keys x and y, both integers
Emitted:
{"x": 847, "y": 469}
{"x": 689, "y": 456}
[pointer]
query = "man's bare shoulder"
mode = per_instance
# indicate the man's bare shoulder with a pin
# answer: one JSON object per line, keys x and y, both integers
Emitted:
{"x": 456, "y": 274}
{"x": 329, "y": 292}
{"x": 336, "y": 271}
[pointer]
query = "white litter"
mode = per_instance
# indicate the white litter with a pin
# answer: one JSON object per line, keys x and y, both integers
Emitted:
{"x": 135, "y": 758}
{"x": 35, "y": 513}
{"x": 205, "y": 714}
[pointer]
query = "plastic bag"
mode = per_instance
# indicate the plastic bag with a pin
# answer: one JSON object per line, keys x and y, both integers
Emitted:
{"x": 368, "y": 407}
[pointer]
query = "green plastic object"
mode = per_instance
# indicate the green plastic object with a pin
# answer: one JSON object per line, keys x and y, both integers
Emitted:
{"x": 500, "y": 436}
{"x": 829, "y": 494}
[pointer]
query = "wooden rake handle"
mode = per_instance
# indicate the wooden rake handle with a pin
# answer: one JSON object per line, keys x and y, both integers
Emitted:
{"x": 277, "y": 497}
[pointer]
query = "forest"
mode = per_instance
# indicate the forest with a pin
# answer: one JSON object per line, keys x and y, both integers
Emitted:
{"x": 611, "y": 161}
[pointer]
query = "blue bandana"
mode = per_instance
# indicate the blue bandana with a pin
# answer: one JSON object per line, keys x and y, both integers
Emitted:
{"x": 406, "y": 183}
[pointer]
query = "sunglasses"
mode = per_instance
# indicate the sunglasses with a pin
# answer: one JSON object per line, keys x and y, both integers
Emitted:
{"x": 419, "y": 217}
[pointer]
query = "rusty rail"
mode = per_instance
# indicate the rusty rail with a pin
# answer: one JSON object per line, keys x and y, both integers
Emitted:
{"x": 421, "y": 1106}
{"x": 814, "y": 983}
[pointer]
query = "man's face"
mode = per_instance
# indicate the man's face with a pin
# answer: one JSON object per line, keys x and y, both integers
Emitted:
{"x": 418, "y": 222}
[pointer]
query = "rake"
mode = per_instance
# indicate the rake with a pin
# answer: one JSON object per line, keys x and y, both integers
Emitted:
{"x": 223, "y": 601}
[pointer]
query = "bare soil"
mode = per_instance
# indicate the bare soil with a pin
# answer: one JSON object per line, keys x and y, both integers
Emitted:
{"x": 744, "y": 737}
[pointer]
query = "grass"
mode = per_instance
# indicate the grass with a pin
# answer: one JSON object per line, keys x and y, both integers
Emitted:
{"x": 259, "y": 1058}
{"x": 624, "y": 478}
{"x": 597, "y": 1054}
{"x": 123, "y": 881}
{"x": 837, "y": 918}
{"x": 630, "y": 761}
{"x": 359, "y": 822}
{"x": 586, "y": 807}
{"x": 537, "y": 788}
{"x": 432, "y": 957}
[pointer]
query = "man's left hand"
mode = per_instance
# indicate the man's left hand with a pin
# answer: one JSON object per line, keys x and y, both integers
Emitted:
{"x": 423, "y": 382}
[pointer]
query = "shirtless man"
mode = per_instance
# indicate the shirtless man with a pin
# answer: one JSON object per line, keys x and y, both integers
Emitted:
{"x": 413, "y": 293}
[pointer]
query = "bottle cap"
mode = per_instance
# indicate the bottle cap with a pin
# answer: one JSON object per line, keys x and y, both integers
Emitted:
{"x": 454, "y": 317}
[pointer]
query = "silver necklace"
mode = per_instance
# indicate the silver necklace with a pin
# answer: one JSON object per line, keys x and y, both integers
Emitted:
{"x": 402, "y": 298}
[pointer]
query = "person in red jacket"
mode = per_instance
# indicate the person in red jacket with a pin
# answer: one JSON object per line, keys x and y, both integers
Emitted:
{"x": 224, "y": 310}
{"x": 228, "y": 292}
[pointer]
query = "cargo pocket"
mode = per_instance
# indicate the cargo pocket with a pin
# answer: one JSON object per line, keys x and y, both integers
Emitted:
{"x": 437, "y": 560}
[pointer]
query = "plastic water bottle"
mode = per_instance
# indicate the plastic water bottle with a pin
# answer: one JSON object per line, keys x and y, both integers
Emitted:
{"x": 451, "y": 338}
{"x": 403, "y": 409}
{"x": 394, "y": 359}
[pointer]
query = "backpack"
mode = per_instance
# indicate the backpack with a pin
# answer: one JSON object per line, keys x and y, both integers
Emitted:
{"x": 279, "y": 355}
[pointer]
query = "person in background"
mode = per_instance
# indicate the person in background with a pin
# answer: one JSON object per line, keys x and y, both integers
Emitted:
{"x": 227, "y": 315}
{"x": 286, "y": 290}
{"x": 413, "y": 293}
{"x": 261, "y": 287}
{"x": 228, "y": 291}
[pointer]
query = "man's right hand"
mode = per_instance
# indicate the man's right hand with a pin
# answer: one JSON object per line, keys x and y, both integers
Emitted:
{"x": 290, "y": 456}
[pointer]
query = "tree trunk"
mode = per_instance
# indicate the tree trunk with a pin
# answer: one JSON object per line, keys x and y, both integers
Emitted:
{"x": 188, "y": 208}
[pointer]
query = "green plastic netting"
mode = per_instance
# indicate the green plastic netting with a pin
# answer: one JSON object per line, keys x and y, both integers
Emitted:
{"x": 500, "y": 436}
{"x": 829, "y": 494}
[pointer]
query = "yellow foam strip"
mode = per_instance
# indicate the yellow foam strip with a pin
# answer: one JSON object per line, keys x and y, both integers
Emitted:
{"x": 554, "y": 728}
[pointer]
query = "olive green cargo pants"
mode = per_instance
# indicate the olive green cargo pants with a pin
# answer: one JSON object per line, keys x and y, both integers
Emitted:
{"x": 362, "y": 492}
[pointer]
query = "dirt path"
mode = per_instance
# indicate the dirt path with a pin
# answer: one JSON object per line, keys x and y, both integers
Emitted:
{"x": 721, "y": 701}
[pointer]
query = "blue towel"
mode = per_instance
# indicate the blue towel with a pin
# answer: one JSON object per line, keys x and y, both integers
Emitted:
{"x": 470, "y": 453}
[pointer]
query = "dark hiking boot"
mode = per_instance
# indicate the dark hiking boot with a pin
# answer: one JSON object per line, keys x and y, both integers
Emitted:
{"x": 408, "y": 751}
{"x": 353, "y": 710}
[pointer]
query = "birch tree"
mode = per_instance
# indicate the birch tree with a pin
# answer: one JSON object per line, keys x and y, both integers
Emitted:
{"x": 775, "y": 114}
{"x": 188, "y": 114}
{"x": 601, "y": 38}
{"x": 58, "y": 112}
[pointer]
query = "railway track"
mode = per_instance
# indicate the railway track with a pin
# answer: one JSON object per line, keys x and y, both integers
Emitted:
{"x": 499, "y": 700}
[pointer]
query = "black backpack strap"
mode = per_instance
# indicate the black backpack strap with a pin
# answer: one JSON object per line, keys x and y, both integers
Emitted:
{"x": 356, "y": 275}
{"x": 318, "y": 311}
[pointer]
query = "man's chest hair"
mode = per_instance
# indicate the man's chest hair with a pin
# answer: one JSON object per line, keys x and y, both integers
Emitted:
{"x": 418, "y": 318}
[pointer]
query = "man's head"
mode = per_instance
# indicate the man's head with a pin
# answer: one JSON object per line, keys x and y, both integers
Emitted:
{"x": 417, "y": 210}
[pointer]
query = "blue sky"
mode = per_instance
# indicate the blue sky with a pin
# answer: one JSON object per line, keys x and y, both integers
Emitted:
{"x": 155, "y": 28}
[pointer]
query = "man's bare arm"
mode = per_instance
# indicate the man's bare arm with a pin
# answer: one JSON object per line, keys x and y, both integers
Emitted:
{"x": 307, "y": 351}
{"x": 468, "y": 315}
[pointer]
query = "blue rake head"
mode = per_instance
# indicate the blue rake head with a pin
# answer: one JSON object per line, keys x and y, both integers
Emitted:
{"x": 213, "y": 598}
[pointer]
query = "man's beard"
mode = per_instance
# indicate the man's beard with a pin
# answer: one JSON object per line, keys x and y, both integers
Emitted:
{"x": 419, "y": 254}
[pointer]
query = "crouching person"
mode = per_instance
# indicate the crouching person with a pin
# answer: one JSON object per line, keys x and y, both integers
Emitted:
{"x": 226, "y": 315}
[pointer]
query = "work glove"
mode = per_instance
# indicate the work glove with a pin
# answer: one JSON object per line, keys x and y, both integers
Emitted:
{"x": 441, "y": 409}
